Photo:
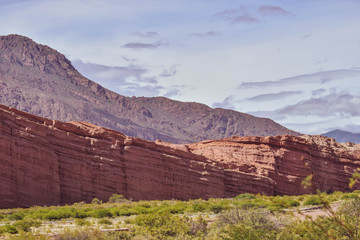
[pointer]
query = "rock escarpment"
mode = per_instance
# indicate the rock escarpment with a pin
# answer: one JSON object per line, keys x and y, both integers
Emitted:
{"x": 48, "y": 162}
{"x": 287, "y": 160}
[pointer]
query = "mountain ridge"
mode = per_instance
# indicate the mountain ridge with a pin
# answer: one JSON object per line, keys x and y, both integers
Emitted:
{"x": 343, "y": 136}
{"x": 37, "y": 79}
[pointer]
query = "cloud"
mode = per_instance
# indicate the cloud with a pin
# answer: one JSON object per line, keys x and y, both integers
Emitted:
{"x": 140, "y": 46}
{"x": 227, "y": 13}
{"x": 227, "y": 103}
{"x": 172, "y": 93}
{"x": 334, "y": 104}
{"x": 149, "y": 34}
{"x": 237, "y": 15}
{"x": 128, "y": 81}
{"x": 318, "y": 92}
{"x": 244, "y": 19}
{"x": 274, "y": 96}
{"x": 207, "y": 34}
{"x": 169, "y": 72}
{"x": 268, "y": 10}
{"x": 118, "y": 74}
{"x": 320, "y": 77}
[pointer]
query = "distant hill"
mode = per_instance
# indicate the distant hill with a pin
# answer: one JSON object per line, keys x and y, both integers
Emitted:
{"x": 37, "y": 79}
{"x": 343, "y": 136}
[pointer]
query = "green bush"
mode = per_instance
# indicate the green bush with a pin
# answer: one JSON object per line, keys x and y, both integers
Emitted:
{"x": 96, "y": 201}
{"x": 26, "y": 224}
{"x": 294, "y": 203}
{"x": 312, "y": 200}
{"x": 17, "y": 216}
{"x": 80, "y": 214}
{"x": 217, "y": 208}
{"x": 247, "y": 224}
{"x": 117, "y": 198}
{"x": 9, "y": 229}
{"x": 58, "y": 214}
{"x": 102, "y": 213}
{"x": 199, "y": 207}
{"x": 163, "y": 225}
{"x": 245, "y": 196}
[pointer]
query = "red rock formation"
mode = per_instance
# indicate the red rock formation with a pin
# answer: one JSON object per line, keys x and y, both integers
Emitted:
{"x": 48, "y": 162}
{"x": 287, "y": 160}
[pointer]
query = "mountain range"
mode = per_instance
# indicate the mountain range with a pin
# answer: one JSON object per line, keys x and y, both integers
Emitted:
{"x": 343, "y": 136}
{"x": 39, "y": 80}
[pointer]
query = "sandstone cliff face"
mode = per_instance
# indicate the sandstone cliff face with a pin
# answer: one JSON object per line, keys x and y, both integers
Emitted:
{"x": 39, "y": 80}
{"x": 287, "y": 160}
{"x": 48, "y": 162}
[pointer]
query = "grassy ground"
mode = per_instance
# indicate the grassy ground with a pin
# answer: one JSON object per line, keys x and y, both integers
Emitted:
{"x": 246, "y": 216}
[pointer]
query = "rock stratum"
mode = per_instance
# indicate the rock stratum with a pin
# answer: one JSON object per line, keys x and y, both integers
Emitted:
{"x": 39, "y": 80}
{"x": 48, "y": 162}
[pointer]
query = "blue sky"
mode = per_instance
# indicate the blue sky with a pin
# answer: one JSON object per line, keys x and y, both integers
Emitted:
{"x": 297, "y": 62}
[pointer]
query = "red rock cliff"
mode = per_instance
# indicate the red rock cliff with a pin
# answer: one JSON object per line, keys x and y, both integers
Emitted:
{"x": 46, "y": 162}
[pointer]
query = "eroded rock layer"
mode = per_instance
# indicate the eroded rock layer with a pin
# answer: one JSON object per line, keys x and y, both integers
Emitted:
{"x": 48, "y": 162}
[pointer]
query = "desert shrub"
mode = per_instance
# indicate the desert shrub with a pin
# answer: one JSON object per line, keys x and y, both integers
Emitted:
{"x": 247, "y": 224}
{"x": 105, "y": 221}
{"x": 312, "y": 200}
{"x": 198, "y": 227}
{"x": 80, "y": 234}
{"x": 26, "y": 224}
{"x": 199, "y": 206}
{"x": 162, "y": 225}
{"x": 247, "y": 205}
{"x": 9, "y": 229}
{"x": 125, "y": 212}
{"x": 96, "y": 201}
{"x": 174, "y": 209}
{"x": 294, "y": 203}
{"x": 82, "y": 222}
{"x": 58, "y": 214}
{"x": 217, "y": 208}
{"x": 141, "y": 210}
{"x": 245, "y": 196}
{"x": 117, "y": 198}
{"x": 80, "y": 214}
{"x": 103, "y": 212}
{"x": 17, "y": 216}
{"x": 350, "y": 196}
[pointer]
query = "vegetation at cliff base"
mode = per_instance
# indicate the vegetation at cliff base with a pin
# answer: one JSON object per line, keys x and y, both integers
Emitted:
{"x": 245, "y": 216}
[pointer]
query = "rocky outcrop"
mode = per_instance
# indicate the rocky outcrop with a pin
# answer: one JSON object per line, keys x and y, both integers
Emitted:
{"x": 48, "y": 162}
{"x": 39, "y": 80}
{"x": 287, "y": 160}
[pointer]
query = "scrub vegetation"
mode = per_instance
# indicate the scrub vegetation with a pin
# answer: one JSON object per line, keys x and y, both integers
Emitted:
{"x": 245, "y": 216}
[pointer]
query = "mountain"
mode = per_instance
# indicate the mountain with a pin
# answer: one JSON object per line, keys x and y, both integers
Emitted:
{"x": 37, "y": 79}
{"x": 343, "y": 136}
{"x": 48, "y": 162}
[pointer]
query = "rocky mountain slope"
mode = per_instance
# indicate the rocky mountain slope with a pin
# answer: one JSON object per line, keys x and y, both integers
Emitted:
{"x": 48, "y": 162}
{"x": 39, "y": 80}
{"x": 343, "y": 136}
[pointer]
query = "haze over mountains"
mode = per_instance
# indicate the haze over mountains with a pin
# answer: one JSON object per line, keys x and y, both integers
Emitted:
{"x": 39, "y": 80}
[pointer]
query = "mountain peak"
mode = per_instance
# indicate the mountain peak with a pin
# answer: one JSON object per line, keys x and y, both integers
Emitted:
{"x": 37, "y": 79}
{"x": 25, "y": 52}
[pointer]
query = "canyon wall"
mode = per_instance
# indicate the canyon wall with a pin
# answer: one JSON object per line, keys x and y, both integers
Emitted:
{"x": 48, "y": 162}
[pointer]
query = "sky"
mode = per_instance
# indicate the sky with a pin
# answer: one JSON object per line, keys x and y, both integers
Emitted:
{"x": 296, "y": 62}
